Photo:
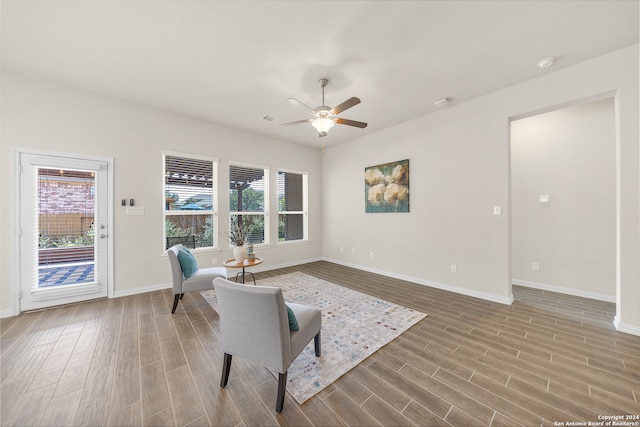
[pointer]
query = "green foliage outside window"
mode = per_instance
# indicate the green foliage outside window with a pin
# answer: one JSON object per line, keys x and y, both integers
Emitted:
{"x": 86, "y": 239}
{"x": 254, "y": 226}
{"x": 194, "y": 231}
{"x": 252, "y": 200}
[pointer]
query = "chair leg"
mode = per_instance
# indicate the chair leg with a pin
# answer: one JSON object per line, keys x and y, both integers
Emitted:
{"x": 253, "y": 276}
{"x": 175, "y": 303}
{"x": 226, "y": 367}
{"x": 282, "y": 388}
{"x": 316, "y": 343}
{"x": 181, "y": 295}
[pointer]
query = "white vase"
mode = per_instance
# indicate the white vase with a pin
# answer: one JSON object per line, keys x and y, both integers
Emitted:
{"x": 240, "y": 253}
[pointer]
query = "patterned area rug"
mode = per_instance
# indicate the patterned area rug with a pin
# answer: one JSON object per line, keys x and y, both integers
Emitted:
{"x": 354, "y": 326}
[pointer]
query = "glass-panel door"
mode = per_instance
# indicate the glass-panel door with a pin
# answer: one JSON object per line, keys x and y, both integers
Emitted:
{"x": 63, "y": 230}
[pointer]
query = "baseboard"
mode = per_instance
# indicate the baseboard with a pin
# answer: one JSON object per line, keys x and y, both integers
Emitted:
{"x": 288, "y": 264}
{"x": 161, "y": 286}
{"x": 566, "y": 291}
{"x": 6, "y": 313}
{"x": 624, "y": 327}
{"x": 481, "y": 295}
{"x": 141, "y": 290}
{"x": 463, "y": 291}
{"x": 443, "y": 286}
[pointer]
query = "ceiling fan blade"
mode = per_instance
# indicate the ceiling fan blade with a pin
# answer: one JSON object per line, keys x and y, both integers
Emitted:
{"x": 301, "y": 105}
{"x": 351, "y": 123}
{"x": 296, "y": 122}
{"x": 346, "y": 104}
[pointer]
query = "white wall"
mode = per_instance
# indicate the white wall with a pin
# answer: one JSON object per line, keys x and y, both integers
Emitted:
{"x": 459, "y": 167}
{"x": 459, "y": 159}
{"x": 456, "y": 179}
{"x": 42, "y": 116}
{"x": 569, "y": 155}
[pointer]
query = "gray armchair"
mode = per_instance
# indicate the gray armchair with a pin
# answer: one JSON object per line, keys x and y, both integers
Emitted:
{"x": 254, "y": 325}
{"x": 200, "y": 280}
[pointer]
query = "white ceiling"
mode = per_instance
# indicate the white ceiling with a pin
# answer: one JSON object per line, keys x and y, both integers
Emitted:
{"x": 233, "y": 62}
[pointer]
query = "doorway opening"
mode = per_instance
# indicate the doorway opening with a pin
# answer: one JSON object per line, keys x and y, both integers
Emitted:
{"x": 563, "y": 200}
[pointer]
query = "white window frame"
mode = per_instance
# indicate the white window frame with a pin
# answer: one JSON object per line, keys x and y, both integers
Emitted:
{"x": 305, "y": 207}
{"x": 215, "y": 200}
{"x": 265, "y": 212}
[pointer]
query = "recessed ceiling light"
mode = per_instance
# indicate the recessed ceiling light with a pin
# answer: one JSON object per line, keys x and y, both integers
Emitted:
{"x": 546, "y": 62}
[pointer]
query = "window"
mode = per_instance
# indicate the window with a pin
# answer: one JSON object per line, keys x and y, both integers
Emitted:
{"x": 292, "y": 206}
{"x": 66, "y": 205}
{"x": 248, "y": 190}
{"x": 190, "y": 201}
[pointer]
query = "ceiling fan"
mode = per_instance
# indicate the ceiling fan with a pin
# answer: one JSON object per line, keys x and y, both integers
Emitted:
{"x": 324, "y": 118}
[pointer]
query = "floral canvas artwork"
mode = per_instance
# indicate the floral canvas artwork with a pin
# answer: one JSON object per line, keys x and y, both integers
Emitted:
{"x": 386, "y": 187}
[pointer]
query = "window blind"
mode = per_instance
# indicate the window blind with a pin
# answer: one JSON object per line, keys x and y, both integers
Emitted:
{"x": 291, "y": 200}
{"x": 189, "y": 201}
{"x": 66, "y": 206}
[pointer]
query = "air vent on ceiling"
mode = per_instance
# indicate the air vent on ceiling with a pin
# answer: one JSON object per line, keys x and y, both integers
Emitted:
{"x": 442, "y": 102}
{"x": 546, "y": 62}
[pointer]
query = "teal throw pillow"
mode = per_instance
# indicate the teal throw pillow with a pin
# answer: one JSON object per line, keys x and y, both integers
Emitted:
{"x": 293, "y": 323}
{"x": 188, "y": 263}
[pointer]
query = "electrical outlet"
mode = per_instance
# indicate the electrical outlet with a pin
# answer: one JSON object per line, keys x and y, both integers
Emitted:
{"x": 371, "y": 254}
{"x": 535, "y": 266}
{"x": 454, "y": 268}
{"x": 214, "y": 260}
{"x": 353, "y": 251}
{"x": 497, "y": 210}
{"x": 341, "y": 249}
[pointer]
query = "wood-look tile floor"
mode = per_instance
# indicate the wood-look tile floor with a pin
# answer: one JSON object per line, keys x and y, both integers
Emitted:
{"x": 547, "y": 359}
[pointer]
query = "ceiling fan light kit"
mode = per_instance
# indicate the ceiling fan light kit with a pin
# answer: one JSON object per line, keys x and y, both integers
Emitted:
{"x": 323, "y": 124}
{"x": 324, "y": 118}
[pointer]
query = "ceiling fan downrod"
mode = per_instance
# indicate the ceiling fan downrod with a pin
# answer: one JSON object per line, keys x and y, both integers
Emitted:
{"x": 323, "y": 83}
